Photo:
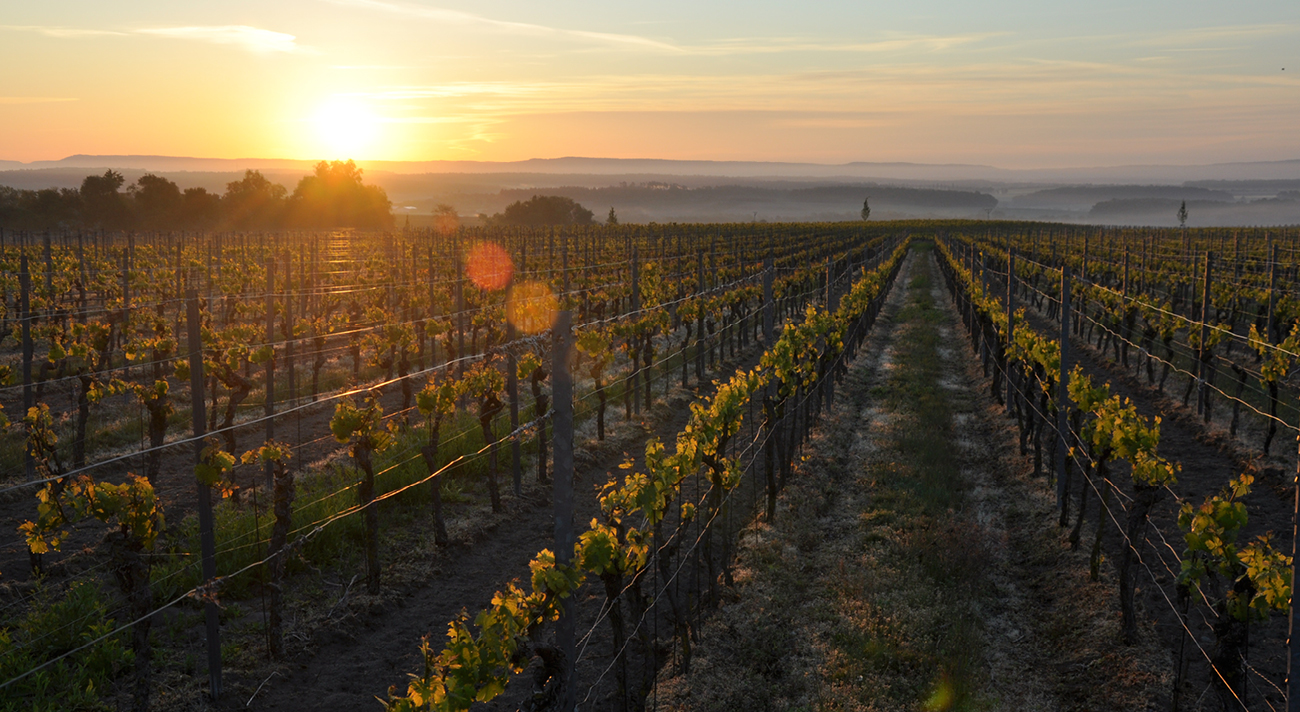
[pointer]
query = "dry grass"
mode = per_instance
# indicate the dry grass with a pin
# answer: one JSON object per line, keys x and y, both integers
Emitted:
{"x": 913, "y": 564}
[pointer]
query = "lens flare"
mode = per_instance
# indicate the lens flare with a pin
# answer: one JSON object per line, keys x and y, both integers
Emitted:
{"x": 531, "y": 307}
{"x": 489, "y": 266}
{"x": 446, "y": 223}
{"x": 942, "y": 697}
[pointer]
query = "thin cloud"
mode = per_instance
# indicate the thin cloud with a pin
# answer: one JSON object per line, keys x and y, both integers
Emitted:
{"x": 774, "y": 45}
{"x": 458, "y": 89}
{"x": 748, "y": 45}
{"x": 1219, "y": 34}
{"x": 252, "y": 39}
{"x": 457, "y": 17}
{"x": 61, "y": 32}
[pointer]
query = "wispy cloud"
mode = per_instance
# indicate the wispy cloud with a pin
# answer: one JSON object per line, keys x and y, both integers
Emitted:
{"x": 725, "y": 47}
{"x": 253, "y": 39}
{"x": 61, "y": 32}
{"x": 458, "y": 17}
{"x": 775, "y": 45}
{"x": 1021, "y": 87}
{"x": 1201, "y": 35}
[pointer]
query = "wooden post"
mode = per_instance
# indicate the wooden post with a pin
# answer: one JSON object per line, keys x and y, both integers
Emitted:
{"x": 1011, "y": 324}
{"x": 1202, "y": 363}
{"x": 433, "y": 310}
{"x": 207, "y": 541}
{"x": 830, "y": 294}
{"x": 1293, "y": 650}
{"x": 286, "y": 325}
{"x": 269, "y": 407}
{"x": 1142, "y": 279}
{"x": 769, "y": 392}
{"x": 985, "y": 351}
{"x": 1063, "y": 390}
{"x": 29, "y": 348}
{"x": 128, "y": 262}
{"x": 1271, "y": 333}
{"x": 634, "y": 376}
{"x": 699, "y": 322}
{"x": 769, "y": 308}
{"x": 460, "y": 319}
{"x": 562, "y": 388}
{"x": 49, "y": 273}
{"x": 512, "y": 392}
{"x": 1083, "y": 268}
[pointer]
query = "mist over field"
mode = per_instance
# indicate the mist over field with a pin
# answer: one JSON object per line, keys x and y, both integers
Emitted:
{"x": 642, "y": 191}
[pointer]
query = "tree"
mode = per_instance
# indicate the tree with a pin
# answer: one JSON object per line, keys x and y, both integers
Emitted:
{"x": 544, "y": 210}
{"x": 104, "y": 206}
{"x": 39, "y": 209}
{"x": 866, "y": 209}
{"x": 253, "y": 201}
{"x": 334, "y": 196}
{"x": 157, "y": 201}
{"x": 199, "y": 208}
{"x": 612, "y": 219}
{"x": 1182, "y": 214}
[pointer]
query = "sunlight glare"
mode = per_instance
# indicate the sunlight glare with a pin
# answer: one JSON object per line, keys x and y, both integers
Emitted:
{"x": 345, "y": 127}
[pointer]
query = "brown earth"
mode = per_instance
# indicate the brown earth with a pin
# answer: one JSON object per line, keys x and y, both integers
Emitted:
{"x": 859, "y": 598}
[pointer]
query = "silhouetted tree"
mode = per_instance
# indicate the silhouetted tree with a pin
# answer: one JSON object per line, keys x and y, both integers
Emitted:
{"x": 199, "y": 208}
{"x": 102, "y": 204}
{"x": 253, "y": 202}
{"x": 612, "y": 219}
{"x": 157, "y": 202}
{"x": 334, "y": 196}
{"x": 866, "y": 208}
{"x": 544, "y": 210}
{"x": 39, "y": 209}
{"x": 1182, "y": 214}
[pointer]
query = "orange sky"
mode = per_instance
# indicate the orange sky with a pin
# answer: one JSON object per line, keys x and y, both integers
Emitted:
{"x": 1013, "y": 84}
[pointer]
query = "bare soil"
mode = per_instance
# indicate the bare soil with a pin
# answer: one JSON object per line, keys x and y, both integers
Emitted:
{"x": 1209, "y": 459}
{"x": 857, "y": 597}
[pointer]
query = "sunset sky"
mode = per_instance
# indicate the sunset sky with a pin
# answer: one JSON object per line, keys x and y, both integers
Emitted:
{"x": 1011, "y": 83}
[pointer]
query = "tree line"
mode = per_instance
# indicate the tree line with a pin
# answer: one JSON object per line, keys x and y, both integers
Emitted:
{"x": 333, "y": 195}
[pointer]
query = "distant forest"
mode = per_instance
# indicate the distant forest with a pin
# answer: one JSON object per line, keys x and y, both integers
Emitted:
{"x": 847, "y": 197}
{"x": 332, "y": 196}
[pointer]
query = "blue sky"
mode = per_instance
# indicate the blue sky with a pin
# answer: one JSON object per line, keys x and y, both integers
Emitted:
{"x": 1012, "y": 84}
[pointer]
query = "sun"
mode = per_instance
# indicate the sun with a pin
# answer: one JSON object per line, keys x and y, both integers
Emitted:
{"x": 346, "y": 127}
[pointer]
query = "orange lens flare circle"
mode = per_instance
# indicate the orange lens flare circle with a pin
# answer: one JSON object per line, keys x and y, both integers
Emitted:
{"x": 489, "y": 266}
{"x": 531, "y": 307}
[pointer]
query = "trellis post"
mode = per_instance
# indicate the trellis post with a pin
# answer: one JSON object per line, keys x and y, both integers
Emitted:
{"x": 207, "y": 541}
{"x": 562, "y": 388}
{"x": 1063, "y": 391}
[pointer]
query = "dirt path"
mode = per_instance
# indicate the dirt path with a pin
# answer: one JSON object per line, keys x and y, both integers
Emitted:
{"x": 914, "y": 563}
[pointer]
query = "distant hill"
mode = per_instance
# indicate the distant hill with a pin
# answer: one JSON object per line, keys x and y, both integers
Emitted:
{"x": 1077, "y": 197}
{"x": 857, "y": 170}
